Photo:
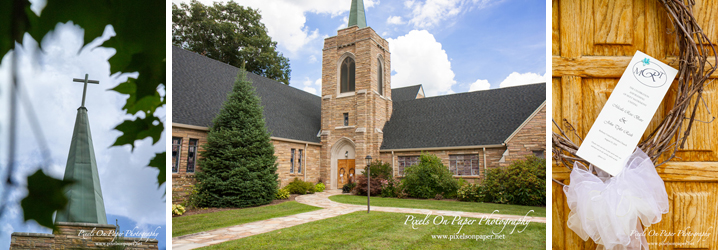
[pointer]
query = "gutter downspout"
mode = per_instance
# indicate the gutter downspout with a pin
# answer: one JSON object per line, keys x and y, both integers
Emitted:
{"x": 393, "y": 164}
{"x": 484, "y": 153}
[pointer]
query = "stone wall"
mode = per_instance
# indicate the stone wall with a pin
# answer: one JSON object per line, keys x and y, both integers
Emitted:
{"x": 368, "y": 109}
{"x": 182, "y": 181}
{"x": 493, "y": 156}
{"x": 310, "y": 165}
{"x": 531, "y": 137}
{"x": 71, "y": 235}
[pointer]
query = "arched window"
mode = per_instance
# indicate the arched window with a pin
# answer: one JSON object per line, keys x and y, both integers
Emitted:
{"x": 380, "y": 73}
{"x": 347, "y": 75}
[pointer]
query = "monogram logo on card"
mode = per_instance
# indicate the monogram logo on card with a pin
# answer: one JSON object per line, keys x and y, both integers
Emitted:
{"x": 649, "y": 73}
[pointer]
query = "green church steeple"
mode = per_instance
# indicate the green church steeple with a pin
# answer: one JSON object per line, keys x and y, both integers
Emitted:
{"x": 85, "y": 202}
{"x": 357, "y": 17}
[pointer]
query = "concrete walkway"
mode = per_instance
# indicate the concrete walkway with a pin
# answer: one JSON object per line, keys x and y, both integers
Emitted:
{"x": 331, "y": 209}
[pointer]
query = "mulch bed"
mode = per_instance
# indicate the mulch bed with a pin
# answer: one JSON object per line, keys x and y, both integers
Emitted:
{"x": 219, "y": 209}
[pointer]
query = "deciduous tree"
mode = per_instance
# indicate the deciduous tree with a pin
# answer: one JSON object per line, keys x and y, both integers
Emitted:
{"x": 229, "y": 33}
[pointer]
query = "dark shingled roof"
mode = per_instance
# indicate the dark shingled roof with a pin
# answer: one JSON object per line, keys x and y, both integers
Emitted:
{"x": 405, "y": 93}
{"x": 200, "y": 86}
{"x": 467, "y": 119}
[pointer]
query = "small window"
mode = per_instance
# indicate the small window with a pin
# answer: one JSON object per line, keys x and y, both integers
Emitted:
{"x": 464, "y": 164}
{"x": 346, "y": 119}
{"x": 191, "y": 155}
{"x": 405, "y": 162}
{"x": 538, "y": 153}
{"x": 380, "y": 73}
{"x": 299, "y": 162}
{"x": 176, "y": 147}
{"x": 292, "y": 161}
{"x": 347, "y": 75}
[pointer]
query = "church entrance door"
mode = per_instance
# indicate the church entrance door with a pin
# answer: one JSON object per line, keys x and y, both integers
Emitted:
{"x": 345, "y": 172}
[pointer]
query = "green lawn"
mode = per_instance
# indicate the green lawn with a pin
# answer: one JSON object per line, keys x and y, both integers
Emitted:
{"x": 184, "y": 225}
{"x": 379, "y": 230}
{"x": 476, "y": 207}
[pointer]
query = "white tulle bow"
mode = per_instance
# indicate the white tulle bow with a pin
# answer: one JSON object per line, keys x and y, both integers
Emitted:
{"x": 608, "y": 209}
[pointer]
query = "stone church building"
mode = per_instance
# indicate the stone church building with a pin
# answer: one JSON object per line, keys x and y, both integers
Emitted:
{"x": 358, "y": 114}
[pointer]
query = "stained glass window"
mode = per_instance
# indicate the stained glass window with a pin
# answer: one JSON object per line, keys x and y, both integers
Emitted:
{"x": 292, "y": 160}
{"x": 191, "y": 155}
{"x": 347, "y": 75}
{"x": 405, "y": 162}
{"x": 380, "y": 73}
{"x": 299, "y": 162}
{"x": 176, "y": 145}
{"x": 464, "y": 164}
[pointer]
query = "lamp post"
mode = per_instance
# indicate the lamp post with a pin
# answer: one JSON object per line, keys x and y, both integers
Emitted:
{"x": 369, "y": 161}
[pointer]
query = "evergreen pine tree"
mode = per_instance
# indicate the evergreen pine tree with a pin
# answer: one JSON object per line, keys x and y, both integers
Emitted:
{"x": 238, "y": 166}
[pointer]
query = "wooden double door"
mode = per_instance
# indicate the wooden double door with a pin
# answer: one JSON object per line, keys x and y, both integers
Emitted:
{"x": 345, "y": 172}
{"x": 592, "y": 43}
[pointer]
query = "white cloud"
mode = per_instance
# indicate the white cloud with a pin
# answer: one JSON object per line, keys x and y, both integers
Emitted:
{"x": 431, "y": 12}
{"x": 408, "y": 4}
{"x": 394, "y": 20}
{"x": 309, "y": 85}
{"x": 285, "y": 19}
{"x": 516, "y": 79}
{"x": 480, "y": 84}
{"x": 313, "y": 59}
{"x": 344, "y": 23}
{"x": 370, "y": 3}
{"x": 419, "y": 59}
{"x": 310, "y": 90}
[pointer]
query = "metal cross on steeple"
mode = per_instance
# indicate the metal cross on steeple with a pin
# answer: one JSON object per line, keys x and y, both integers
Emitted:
{"x": 84, "y": 89}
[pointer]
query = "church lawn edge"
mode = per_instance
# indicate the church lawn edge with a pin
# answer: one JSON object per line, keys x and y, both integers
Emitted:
{"x": 475, "y": 207}
{"x": 384, "y": 230}
{"x": 196, "y": 223}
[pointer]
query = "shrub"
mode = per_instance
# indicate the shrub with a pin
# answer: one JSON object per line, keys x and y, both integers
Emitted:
{"x": 178, "y": 209}
{"x": 379, "y": 170}
{"x": 522, "y": 183}
{"x": 438, "y": 197}
{"x": 193, "y": 199}
{"x": 462, "y": 182}
{"x": 310, "y": 187}
{"x": 238, "y": 165}
{"x": 320, "y": 187}
{"x": 348, "y": 187}
{"x": 298, "y": 186}
{"x": 390, "y": 188}
{"x": 429, "y": 178}
{"x": 471, "y": 192}
{"x": 375, "y": 187}
{"x": 282, "y": 194}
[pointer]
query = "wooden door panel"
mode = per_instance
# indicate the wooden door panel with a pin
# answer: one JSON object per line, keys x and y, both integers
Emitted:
{"x": 341, "y": 172}
{"x": 702, "y": 142}
{"x": 707, "y": 18}
{"x": 613, "y": 22}
{"x": 593, "y": 42}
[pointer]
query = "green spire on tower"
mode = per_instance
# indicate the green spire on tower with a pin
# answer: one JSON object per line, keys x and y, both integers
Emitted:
{"x": 85, "y": 202}
{"x": 357, "y": 17}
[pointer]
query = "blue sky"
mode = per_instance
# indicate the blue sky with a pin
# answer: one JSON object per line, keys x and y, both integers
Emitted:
{"x": 129, "y": 187}
{"x": 449, "y": 46}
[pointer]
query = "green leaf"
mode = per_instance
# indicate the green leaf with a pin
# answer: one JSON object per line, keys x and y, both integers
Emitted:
{"x": 159, "y": 162}
{"x": 15, "y": 18}
{"x": 139, "y": 129}
{"x": 45, "y": 196}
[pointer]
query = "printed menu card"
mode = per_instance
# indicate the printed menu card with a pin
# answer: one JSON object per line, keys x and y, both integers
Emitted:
{"x": 627, "y": 113}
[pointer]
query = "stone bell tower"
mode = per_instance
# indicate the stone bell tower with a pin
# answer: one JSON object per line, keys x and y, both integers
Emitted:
{"x": 356, "y": 98}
